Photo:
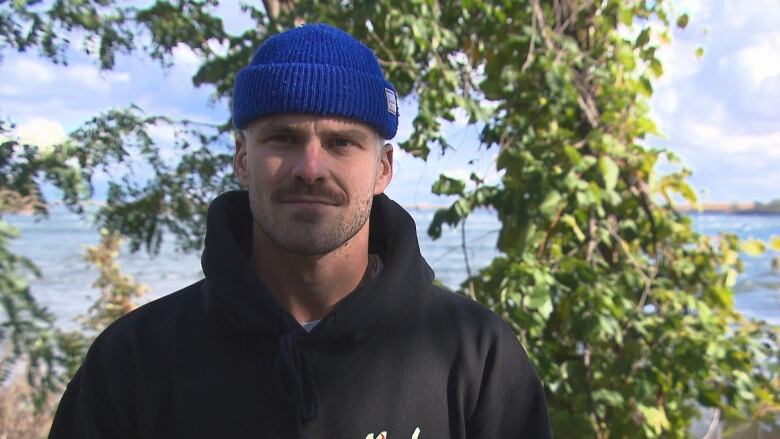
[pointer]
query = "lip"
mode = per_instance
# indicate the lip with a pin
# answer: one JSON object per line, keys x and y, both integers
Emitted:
{"x": 307, "y": 200}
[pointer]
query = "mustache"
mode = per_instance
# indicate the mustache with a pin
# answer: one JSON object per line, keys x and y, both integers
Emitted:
{"x": 299, "y": 188}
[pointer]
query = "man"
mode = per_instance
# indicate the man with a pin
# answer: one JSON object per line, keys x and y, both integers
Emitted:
{"x": 317, "y": 317}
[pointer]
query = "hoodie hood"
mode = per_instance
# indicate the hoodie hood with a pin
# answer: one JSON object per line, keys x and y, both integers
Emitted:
{"x": 238, "y": 304}
{"x": 234, "y": 290}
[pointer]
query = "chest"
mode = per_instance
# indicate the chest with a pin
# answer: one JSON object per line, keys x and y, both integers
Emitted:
{"x": 389, "y": 391}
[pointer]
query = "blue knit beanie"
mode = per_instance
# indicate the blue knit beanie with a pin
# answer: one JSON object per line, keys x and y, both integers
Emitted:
{"x": 315, "y": 69}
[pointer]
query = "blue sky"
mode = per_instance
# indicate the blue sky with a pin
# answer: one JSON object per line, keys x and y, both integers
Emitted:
{"x": 719, "y": 113}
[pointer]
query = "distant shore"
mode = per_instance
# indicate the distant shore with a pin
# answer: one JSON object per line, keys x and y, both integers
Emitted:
{"x": 733, "y": 208}
{"x": 714, "y": 208}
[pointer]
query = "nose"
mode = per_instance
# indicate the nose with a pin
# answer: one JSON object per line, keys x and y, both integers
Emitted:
{"x": 309, "y": 163}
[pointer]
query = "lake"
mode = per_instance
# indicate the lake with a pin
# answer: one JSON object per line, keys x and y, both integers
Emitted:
{"x": 57, "y": 245}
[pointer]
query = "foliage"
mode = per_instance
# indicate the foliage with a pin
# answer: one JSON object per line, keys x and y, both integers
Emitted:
{"x": 118, "y": 291}
{"x": 600, "y": 275}
{"x": 625, "y": 310}
{"x": 28, "y": 329}
{"x": 118, "y": 294}
{"x": 175, "y": 197}
{"x": 109, "y": 28}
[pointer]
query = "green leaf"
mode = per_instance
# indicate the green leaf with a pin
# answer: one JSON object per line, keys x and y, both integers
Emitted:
{"x": 539, "y": 298}
{"x": 724, "y": 296}
{"x": 549, "y": 206}
{"x": 625, "y": 55}
{"x": 753, "y": 247}
{"x": 682, "y": 21}
{"x": 699, "y": 52}
{"x": 656, "y": 67}
{"x": 655, "y": 418}
{"x": 573, "y": 155}
{"x": 609, "y": 171}
{"x": 610, "y": 397}
{"x": 462, "y": 208}
{"x": 571, "y": 222}
{"x": 626, "y": 16}
{"x": 709, "y": 397}
{"x": 643, "y": 37}
{"x": 687, "y": 192}
{"x": 731, "y": 278}
{"x": 448, "y": 186}
{"x": 730, "y": 257}
{"x": 545, "y": 309}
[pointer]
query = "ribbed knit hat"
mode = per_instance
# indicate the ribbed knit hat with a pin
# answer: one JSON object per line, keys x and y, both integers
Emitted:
{"x": 315, "y": 69}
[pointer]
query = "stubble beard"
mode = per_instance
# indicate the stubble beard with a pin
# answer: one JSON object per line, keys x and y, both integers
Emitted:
{"x": 310, "y": 235}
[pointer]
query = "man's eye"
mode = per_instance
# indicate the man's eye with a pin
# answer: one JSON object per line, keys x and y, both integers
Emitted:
{"x": 281, "y": 139}
{"x": 341, "y": 143}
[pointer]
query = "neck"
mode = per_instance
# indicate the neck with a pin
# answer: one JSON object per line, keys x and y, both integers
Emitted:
{"x": 309, "y": 287}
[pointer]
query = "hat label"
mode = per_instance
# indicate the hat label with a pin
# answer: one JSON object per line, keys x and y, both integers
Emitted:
{"x": 392, "y": 103}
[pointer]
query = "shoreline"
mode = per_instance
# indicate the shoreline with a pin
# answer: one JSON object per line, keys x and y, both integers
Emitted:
{"x": 703, "y": 208}
{"x": 731, "y": 209}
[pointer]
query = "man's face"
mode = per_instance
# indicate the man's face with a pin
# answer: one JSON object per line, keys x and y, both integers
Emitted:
{"x": 311, "y": 179}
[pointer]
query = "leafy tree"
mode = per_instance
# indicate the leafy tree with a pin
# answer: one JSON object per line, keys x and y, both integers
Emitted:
{"x": 27, "y": 329}
{"x": 118, "y": 290}
{"x": 625, "y": 310}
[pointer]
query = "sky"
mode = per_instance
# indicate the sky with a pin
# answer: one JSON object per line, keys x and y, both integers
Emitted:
{"x": 718, "y": 112}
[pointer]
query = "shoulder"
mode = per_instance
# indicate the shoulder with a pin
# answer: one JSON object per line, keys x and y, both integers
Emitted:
{"x": 470, "y": 330}
{"x": 481, "y": 339}
{"x": 488, "y": 364}
{"x": 465, "y": 315}
{"x": 120, "y": 364}
{"x": 149, "y": 324}
{"x": 506, "y": 395}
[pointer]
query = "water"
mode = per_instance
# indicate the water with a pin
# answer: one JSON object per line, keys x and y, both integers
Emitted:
{"x": 757, "y": 292}
{"x": 758, "y": 287}
{"x": 57, "y": 245}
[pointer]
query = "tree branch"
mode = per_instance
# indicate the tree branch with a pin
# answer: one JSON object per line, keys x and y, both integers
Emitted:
{"x": 549, "y": 230}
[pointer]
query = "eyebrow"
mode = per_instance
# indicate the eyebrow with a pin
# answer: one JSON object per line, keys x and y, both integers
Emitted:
{"x": 352, "y": 133}
{"x": 277, "y": 128}
{"x": 280, "y": 128}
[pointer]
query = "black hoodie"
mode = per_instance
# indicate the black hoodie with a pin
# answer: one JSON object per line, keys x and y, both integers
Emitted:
{"x": 398, "y": 358}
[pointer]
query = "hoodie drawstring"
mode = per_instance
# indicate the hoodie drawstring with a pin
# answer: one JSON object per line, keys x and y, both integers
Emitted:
{"x": 295, "y": 379}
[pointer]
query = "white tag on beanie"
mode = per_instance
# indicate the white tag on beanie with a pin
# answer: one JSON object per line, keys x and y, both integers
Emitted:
{"x": 392, "y": 103}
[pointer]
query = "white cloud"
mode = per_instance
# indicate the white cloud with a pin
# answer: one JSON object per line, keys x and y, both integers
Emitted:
{"x": 31, "y": 69}
{"x": 40, "y": 132}
{"x": 697, "y": 8}
{"x": 759, "y": 63}
{"x": 665, "y": 101}
{"x": 185, "y": 58}
{"x": 750, "y": 147}
{"x": 679, "y": 61}
{"x": 461, "y": 118}
{"x": 162, "y": 133}
{"x": 34, "y": 73}
{"x": 219, "y": 48}
{"x": 407, "y": 111}
{"x": 91, "y": 78}
{"x": 10, "y": 90}
{"x": 755, "y": 14}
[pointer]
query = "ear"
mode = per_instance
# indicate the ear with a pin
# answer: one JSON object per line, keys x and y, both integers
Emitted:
{"x": 385, "y": 169}
{"x": 239, "y": 160}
